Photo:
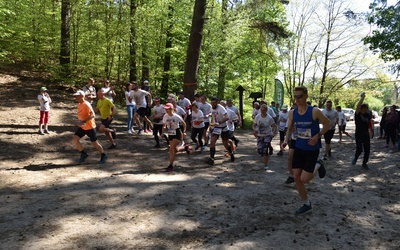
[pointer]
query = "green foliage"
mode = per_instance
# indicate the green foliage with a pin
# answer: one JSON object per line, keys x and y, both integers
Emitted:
{"x": 386, "y": 38}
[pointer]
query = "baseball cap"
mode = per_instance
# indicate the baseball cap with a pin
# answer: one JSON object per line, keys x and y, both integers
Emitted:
{"x": 79, "y": 92}
{"x": 145, "y": 81}
{"x": 257, "y": 103}
{"x": 284, "y": 106}
{"x": 43, "y": 89}
{"x": 168, "y": 106}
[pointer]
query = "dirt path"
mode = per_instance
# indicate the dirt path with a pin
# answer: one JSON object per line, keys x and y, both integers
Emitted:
{"x": 48, "y": 201}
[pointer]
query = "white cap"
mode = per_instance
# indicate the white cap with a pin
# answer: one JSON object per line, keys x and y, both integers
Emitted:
{"x": 79, "y": 92}
{"x": 171, "y": 96}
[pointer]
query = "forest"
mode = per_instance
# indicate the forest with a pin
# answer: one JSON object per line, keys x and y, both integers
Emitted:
{"x": 209, "y": 47}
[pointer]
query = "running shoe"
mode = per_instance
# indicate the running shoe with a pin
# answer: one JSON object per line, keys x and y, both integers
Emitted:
{"x": 289, "y": 180}
{"x": 266, "y": 167}
{"x": 157, "y": 145}
{"x": 46, "y": 131}
{"x": 133, "y": 130}
{"x": 197, "y": 147}
{"x": 321, "y": 169}
{"x": 232, "y": 157}
{"x": 170, "y": 168}
{"x": 114, "y": 133}
{"x": 280, "y": 153}
{"x": 325, "y": 158}
{"x": 354, "y": 161}
{"x": 187, "y": 149}
{"x": 237, "y": 143}
{"x": 210, "y": 161}
{"x": 305, "y": 208}
{"x": 140, "y": 131}
{"x": 365, "y": 166}
{"x": 83, "y": 157}
{"x": 112, "y": 146}
{"x": 130, "y": 131}
{"x": 40, "y": 132}
{"x": 103, "y": 159}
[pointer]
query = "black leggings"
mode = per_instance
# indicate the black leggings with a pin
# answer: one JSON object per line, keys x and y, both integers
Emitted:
{"x": 363, "y": 142}
{"x": 390, "y": 132}
{"x": 199, "y": 133}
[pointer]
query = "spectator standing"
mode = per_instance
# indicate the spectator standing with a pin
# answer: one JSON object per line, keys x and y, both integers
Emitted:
{"x": 108, "y": 90}
{"x": 282, "y": 126}
{"x": 90, "y": 92}
{"x": 44, "y": 101}
{"x": 342, "y": 123}
{"x": 146, "y": 87}
{"x": 130, "y": 108}
{"x": 362, "y": 119}
{"x": 392, "y": 121}
{"x": 382, "y": 124}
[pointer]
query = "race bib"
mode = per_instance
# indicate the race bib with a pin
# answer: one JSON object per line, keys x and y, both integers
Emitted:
{"x": 171, "y": 132}
{"x": 262, "y": 131}
{"x": 304, "y": 133}
{"x": 217, "y": 131}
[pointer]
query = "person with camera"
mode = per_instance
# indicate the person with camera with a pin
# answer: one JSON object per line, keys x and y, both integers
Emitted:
{"x": 44, "y": 101}
{"x": 362, "y": 118}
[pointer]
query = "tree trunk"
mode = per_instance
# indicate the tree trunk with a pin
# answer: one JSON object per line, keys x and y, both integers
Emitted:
{"x": 145, "y": 65}
{"x": 193, "y": 51}
{"x": 167, "y": 55}
{"x": 65, "y": 57}
{"x": 222, "y": 67}
{"x": 133, "y": 48}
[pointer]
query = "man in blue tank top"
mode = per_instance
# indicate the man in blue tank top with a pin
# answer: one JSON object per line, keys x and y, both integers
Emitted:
{"x": 304, "y": 120}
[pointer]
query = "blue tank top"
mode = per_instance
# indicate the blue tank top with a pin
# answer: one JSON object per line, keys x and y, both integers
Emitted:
{"x": 306, "y": 127}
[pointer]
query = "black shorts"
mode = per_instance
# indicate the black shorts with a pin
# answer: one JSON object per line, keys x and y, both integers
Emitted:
{"x": 106, "y": 123}
{"x": 328, "y": 136}
{"x": 142, "y": 112}
{"x": 224, "y": 134}
{"x": 282, "y": 134}
{"x": 292, "y": 144}
{"x": 342, "y": 128}
{"x": 305, "y": 159}
{"x": 177, "y": 136}
{"x": 91, "y": 133}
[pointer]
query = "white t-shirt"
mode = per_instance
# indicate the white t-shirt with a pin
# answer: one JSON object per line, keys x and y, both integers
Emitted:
{"x": 172, "y": 122}
{"x": 283, "y": 120}
{"x": 233, "y": 108}
{"x": 159, "y": 112}
{"x": 197, "y": 119}
{"x": 128, "y": 103}
{"x": 206, "y": 109}
{"x": 342, "y": 118}
{"x": 139, "y": 96}
{"x": 109, "y": 94}
{"x": 256, "y": 112}
{"x": 180, "y": 111}
{"x": 217, "y": 116}
{"x": 263, "y": 125}
{"x": 44, "y": 102}
{"x": 185, "y": 104}
{"x": 232, "y": 117}
{"x": 332, "y": 116}
{"x": 271, "y": 112}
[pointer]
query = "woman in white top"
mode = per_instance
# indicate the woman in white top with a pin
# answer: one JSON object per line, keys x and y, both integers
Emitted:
{"x": 197, "y": 126}
{"x": 130, "y": 108}
{"x": 282, "y": 126}
{"x": 171, "y": 127}
{"x": 44, "y": 101}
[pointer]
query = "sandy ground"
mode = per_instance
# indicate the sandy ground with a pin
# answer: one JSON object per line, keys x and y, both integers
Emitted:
{"x": 48, "y": 201}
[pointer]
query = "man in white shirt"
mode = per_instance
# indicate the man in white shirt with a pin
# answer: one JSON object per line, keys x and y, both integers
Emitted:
{"x": 238, "y": 122}
{"x": 271, "y": 113}
{"x": 205, "y": 107}
{"x": 333, "y": 118}
{"x": 139, "y": 96}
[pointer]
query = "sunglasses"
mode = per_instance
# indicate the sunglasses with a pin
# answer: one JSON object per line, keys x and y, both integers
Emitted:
{"x": 298, "y": 96}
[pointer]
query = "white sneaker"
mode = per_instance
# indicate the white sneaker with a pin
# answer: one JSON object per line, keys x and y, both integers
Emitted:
{"x": 132, "y": 130}
{"x": 129, "y": 131}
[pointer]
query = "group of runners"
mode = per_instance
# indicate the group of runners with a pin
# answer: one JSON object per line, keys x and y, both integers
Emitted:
{"x": 298, "y": 128}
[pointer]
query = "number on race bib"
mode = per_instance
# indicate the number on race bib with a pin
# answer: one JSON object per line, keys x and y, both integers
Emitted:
{"x": 217, "y": 131}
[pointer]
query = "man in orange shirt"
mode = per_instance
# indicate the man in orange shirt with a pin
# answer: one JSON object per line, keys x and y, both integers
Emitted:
{"x": 86, "y": 126}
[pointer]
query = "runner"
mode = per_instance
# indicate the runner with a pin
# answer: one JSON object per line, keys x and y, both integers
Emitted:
{"x": 197, "y": 126}
{"x": 205, "y": 107}
{"x": 238, "y": 122}
{"x": 107, "y": 111}
{"x": 86, "y": 126}
{"x": 342, "y": 123}
{"x": 171, "y": 122}
{"x": 271, "y": 112}
{"x": 304, "y": 120}
{"x": 292, "y": 146}
{"x": 158, "y": 115}
{"x": 282, "y": 126}
{"x": 139, "y": 96}
{"x": 231, "y": 127}
{"x": 90, "y": 92}
{"x": 264, "y": 129}
{"x": 333, "y": 118}
{"x": 219, "y": 117}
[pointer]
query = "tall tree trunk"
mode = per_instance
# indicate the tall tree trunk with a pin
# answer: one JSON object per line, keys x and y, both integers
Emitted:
{"x": 145, "y": 65}
{"x": 167, "y": 55}
{"x": 133, "y": 48}
{"x": 193, "y": 51}
{"x": 222, "y": 67}
{"x": 65, "y": 57}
